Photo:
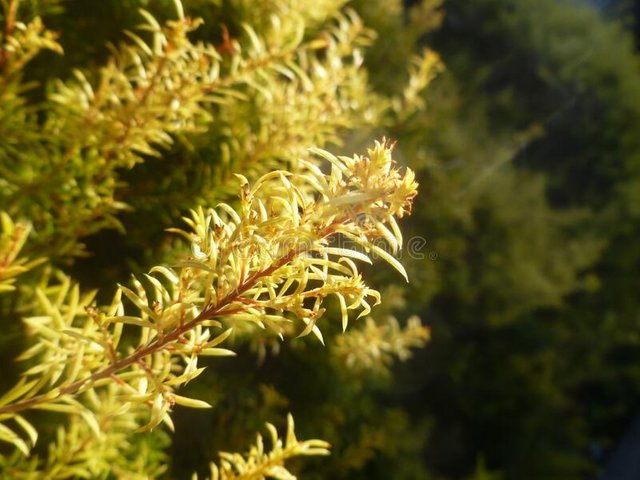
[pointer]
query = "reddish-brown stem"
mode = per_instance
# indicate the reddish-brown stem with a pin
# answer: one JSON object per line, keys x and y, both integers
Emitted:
{"x": 8, "y": 32}
{"x": 209, "y": 312}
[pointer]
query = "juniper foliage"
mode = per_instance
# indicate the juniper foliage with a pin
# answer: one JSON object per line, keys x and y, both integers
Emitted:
{"x": 135, "y": 142}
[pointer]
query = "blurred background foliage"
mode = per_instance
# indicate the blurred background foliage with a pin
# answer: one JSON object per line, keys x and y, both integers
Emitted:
{"x": 528, "y": 155}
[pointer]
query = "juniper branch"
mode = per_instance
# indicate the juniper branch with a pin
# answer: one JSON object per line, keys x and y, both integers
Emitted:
{"x": 260, "y": 264}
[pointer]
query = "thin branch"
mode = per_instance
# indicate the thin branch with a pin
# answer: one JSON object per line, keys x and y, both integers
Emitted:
{"x": 208, "y": 313}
